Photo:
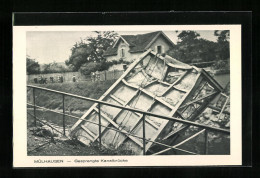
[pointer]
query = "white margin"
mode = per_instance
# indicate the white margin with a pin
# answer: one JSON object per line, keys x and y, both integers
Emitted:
{"x": 20, "y": 158}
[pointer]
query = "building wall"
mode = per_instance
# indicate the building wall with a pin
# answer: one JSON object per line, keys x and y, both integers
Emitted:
{"x": 116, "y": 67}
{"x": 128, "y": 56}
{"x": 160, "y": 41}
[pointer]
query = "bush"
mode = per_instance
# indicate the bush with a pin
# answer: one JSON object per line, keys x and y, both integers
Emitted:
{"x": 87, "y": 68}
{"x": 55, "y": 68}
{"x": 221, "y": 64}
{"x": 32, "y": 66}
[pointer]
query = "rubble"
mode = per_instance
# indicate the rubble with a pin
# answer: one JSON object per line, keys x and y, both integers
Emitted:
{"x": 157, "y": 84}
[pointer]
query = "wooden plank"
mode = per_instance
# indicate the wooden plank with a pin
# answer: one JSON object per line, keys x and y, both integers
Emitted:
{"x": 116, "y": 99}
{"x": 91, "y": 135}
{"x": 223, "y": 107}
{"x": 157, "y": 127}
{"x": 149, "y": 94}
{"x": 215, "y": 108}
{"x": 192, "y": 117}
{"x": 183, "y": 127}
{"x": 119, "y": 128}
{"x": 174, "y": 83}
{"x": 196, "y": 100}
{"x": 135, "y": 63}
{"x": 161, "y": 101}
{"x": 179, "y": 89}
{"x": 212, "y": 81}
{"x": 121, "y": 110}
{"x": 127, "y": 102}
{"x": 191, "y": 137}
{"x": 170, "y": 64}
{"x": 173, "y": 112}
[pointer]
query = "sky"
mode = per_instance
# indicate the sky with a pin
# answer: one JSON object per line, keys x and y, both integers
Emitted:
{"x": 54, "y": 46}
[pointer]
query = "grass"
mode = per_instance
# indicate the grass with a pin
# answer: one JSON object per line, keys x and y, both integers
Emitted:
{"x": 54, "y": 101}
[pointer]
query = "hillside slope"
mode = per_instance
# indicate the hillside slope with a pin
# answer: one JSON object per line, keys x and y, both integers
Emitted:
{"x": 54, "y": 101}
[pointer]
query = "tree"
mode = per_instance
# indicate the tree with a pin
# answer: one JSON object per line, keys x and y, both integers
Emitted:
{"x": 91, "y": 49}
{"x": 54, "y": 67}
{"x": 223, "y": 51}
{"x": 89, "y": 67}
{"x": 32, "y": 66}
{"x": 188, "y": 36}
{"x": 223, "y": 35}
{"x": 191, "y": 48}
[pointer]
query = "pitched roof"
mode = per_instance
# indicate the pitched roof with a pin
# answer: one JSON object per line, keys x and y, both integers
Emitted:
{"x": 137, "y": 43}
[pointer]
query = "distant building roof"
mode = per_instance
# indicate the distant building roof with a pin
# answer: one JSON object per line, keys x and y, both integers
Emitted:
{"x": 137, "y": 43}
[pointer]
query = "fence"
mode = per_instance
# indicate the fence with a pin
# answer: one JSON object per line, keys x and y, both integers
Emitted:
{"x": 67, "y": 76}
{"x": 205, "y": 128}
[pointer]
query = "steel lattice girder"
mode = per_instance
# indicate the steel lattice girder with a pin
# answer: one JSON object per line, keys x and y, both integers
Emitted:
{"x": 153, "y": 83}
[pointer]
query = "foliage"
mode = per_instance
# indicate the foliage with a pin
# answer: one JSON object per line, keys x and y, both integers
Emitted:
{"x": 91, "y": 49}
{"x": 54, "y": 68}
{"x": 89, "y": 67}
{"x": 32, "y": 66}
{"x": 221, "y": 64}
{"x": 192, "y": 49}
{"x": 115, "y": 62}
{"x": 223, "y": 35}
{"x": 223, "y": 44}
{"x": 188, "y": 36}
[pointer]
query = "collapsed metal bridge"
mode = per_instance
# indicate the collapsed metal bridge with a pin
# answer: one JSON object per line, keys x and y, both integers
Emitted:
{"x": 159, "y": 88}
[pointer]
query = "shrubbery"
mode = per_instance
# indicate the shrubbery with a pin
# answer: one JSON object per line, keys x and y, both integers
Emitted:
{"x": 90, "y": 50}
{"x": 89, "y": 67}
{"x": 190, "y": 48}
{"x": 55, "y": 68}
{"x": 222, "y": 64}
{"x": 32, "y": 66}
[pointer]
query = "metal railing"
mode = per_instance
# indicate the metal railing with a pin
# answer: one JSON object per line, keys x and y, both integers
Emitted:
{"x": 205, "y": 128}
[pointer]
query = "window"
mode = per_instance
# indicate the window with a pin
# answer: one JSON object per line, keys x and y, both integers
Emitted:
{"x": 122, "y": 52}
{"x": 159, "y": 49}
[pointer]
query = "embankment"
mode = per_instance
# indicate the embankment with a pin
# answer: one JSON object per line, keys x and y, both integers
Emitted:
{"x": 54, "y": 101}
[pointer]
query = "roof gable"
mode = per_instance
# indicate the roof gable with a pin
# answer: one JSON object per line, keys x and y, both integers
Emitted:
{"x": 137, "y": 43}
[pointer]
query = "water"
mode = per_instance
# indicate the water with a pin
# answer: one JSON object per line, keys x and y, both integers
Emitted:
{"x": 222, "y": 79}
{"x": 218, "y": 143}
{"x": 52, "y": 117}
